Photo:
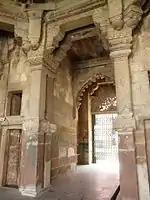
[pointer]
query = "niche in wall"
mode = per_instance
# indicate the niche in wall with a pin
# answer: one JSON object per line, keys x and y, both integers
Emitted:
{"x": 14, "y": 103}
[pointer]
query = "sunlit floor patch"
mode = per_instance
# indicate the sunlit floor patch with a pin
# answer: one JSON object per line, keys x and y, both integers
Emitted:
{"x": 108, "y": 166}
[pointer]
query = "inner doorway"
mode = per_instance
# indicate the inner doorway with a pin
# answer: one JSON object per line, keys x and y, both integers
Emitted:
{"x": 105, "y": 138}
{"x": 105, "y": 142}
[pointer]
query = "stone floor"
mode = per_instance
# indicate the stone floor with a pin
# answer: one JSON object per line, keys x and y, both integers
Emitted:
{"x": 94, "y": 182}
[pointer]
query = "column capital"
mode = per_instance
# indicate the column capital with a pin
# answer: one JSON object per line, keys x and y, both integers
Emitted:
{"x": 120, "y": 42}
{"x": 118, "y": 53}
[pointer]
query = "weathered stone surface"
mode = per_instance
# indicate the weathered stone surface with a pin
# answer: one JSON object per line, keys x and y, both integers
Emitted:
{"x": 35, "y": 60}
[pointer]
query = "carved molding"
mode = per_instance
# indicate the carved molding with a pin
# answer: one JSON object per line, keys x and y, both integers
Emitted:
{"x": 54, "y": 59}
{"x": 85, "y": 87}
{"x": 120, "y": 41}
{"x": 54, "y": 35}
{"x": 85, "y": 80}
{"x": 74, "y": 12}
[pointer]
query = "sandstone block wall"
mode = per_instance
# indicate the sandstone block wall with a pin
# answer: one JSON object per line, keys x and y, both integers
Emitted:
{"x": 64, "y": 153}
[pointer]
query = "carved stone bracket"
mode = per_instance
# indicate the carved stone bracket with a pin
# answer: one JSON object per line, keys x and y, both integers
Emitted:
{"x": 115, "y": 14}
{"x": 132, "y": 15}
{"x": 54, "y": 36}
{"x": 30, "y": 30}
{"x": 35, "y": 28}
{"x": 100, "y": 18}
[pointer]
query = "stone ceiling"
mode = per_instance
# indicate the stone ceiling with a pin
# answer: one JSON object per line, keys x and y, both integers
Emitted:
{"x": 86, "y": 49}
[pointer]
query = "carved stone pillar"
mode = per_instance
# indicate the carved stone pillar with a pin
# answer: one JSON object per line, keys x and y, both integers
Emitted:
{"x": 120, "y": 42}
{"x": 84, "y": 113}
{"x": 32, "y": 170}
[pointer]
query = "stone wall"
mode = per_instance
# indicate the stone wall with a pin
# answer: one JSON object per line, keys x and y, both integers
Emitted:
{"x": 64, "y": 140}
{"x": 14, "y": 79}
{"x": 140, "y": 66}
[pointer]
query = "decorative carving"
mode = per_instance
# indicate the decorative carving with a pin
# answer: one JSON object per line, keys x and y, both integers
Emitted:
{"x": 100, "y": 18}
{"x": 132, "y": 16}
{"x": 54, "y": 36}
{"x": 115, "y": 14}
{"x": 35, "y": 26}
{"x": 73, "y": 12}
{"x": 95, "y": 79}
{"x": 104, "y": 98}
{"x": 120, "y": 41}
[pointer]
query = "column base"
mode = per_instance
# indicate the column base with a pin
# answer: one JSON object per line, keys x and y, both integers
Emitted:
{"x": 32, "y": 191}
{"x": 29, "y": 190}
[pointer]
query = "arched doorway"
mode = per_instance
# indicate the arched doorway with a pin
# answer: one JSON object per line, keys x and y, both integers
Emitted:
{"x": 97, "y": 140}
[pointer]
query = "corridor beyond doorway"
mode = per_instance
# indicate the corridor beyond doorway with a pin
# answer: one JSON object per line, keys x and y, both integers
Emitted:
{"x": 105, "y": 139}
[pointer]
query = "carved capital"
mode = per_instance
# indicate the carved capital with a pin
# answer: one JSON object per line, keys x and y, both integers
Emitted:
{"x": 34, "y": 15}
{"x": 120, "y": 42}
{"x": 132, "y": 15}
{"x": 35, "y": 57}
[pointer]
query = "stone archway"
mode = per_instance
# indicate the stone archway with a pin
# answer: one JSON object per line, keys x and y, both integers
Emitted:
{"x": 104, "y": 101}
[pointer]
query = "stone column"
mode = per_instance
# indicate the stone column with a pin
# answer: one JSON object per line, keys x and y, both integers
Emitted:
{"x": 139, "y": 64}
{"x": 83, "y": 131}
{"x": 120, "y": 42}
{"x": 32, "y": 164}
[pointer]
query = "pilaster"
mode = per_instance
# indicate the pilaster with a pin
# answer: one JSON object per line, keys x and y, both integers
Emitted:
{"x": 84, "y": 136}
{"x": 37, "y": 126}
{"x": 120, "y": 42}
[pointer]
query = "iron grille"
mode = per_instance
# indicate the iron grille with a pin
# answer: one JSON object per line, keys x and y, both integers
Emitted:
{"x": 105, "y": 138}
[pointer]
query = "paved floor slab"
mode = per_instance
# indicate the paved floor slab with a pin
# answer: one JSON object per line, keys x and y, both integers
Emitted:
{"x": 92, "y": 182}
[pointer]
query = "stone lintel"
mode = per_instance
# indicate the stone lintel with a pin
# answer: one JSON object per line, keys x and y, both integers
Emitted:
{"x": 98, "y": 62}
